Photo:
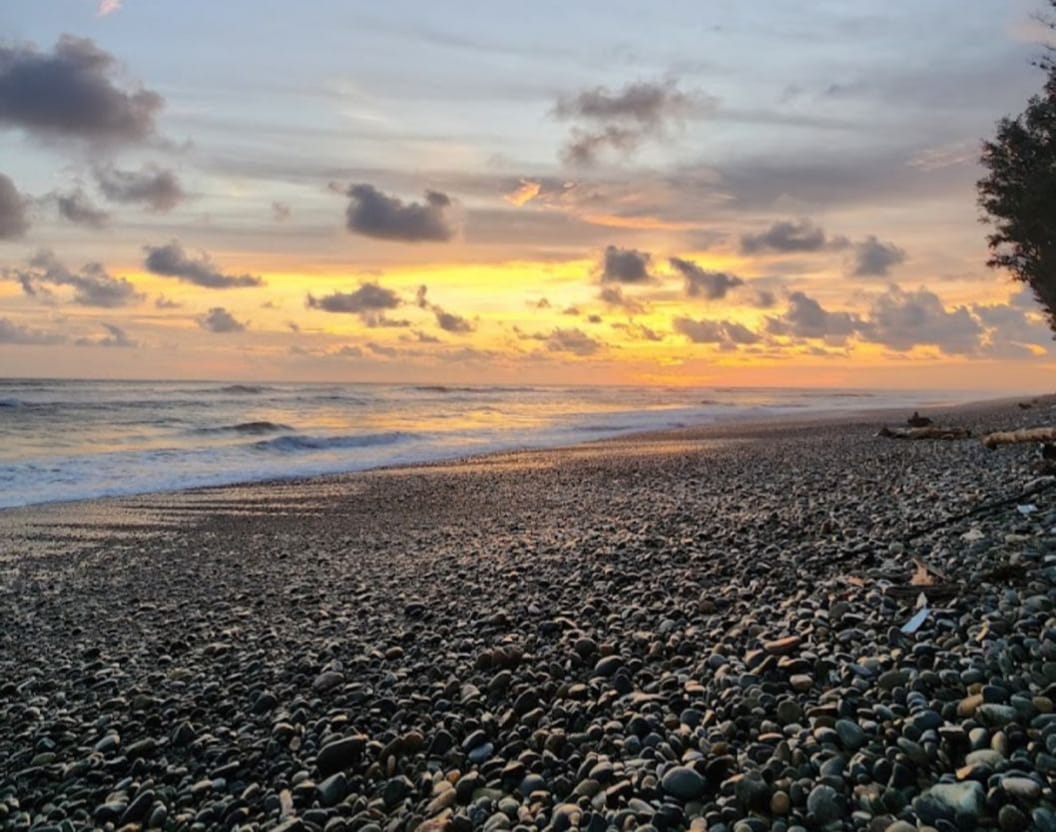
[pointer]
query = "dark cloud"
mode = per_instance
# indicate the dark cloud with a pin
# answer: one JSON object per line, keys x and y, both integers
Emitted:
{"x": 584, "y": 146}
{"x": 151, "y": 185}
{"x": 219, "y": 320}
{"x": 625, "y": 265}
{"x": 369, "y": 302}
{"x": 873, "y": 258}
{"x": 281, "y": 211}
{"x": 621, "y": 120}
{"x": 162, "y": 302}
{"x": 614, "y": 296}
{"x": 12, "y": 333}
{"x": 424, "y": 338}
{"x": 806, "y": 318}
{"x": 77, "y": 208}
{"x": 570, "y": 310}
{"x": 702, "y": 283}
{"x": 172, "y": 261}
{"x": 763, "y": 298}
{"x": 449, "y": 322}
{"x": 382, "y": 350}
{"x": 573, "y": 341}
{"x": 901, "y": 320}
{"x": 14, "y": 217}
{"x": 639, "y": 332}
{"x": 374, "y": 214}
{"x": 73, "y": 92}
{"x": 92, "y": 285}
{"x": 791, "y": 236}
{"x": 726, "y": 334}
{"x": 115, "y": 337}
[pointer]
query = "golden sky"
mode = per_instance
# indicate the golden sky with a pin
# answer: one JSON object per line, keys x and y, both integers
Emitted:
{"x": 704, "y": 195}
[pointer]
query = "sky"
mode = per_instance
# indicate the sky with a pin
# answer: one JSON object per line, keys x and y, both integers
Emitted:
{"x": 676, "y": 193}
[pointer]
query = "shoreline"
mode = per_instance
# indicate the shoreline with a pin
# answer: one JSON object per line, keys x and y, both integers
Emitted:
{"x": 691, "y": 632}
{"x": 732, "y": 428}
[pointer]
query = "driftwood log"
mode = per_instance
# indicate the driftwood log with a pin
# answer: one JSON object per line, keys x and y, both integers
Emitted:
{"x": 925, "y": 433}
{"x": 1018, "y": 437}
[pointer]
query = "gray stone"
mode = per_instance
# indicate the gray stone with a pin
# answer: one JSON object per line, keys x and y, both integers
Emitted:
{"x": 683, "y": 783}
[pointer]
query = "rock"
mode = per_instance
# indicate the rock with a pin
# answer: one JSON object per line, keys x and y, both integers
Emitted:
{"x": 683, "y": 783}
{"x": 340, "y": 754}
{"x": 1022, "y": 788}
{"x": 782, "y": 646}
{"x": 333, "y": 789}
{"x": 1011, "y": 819}
{"x": 608, "y": 666}
{"x": 960, "y": 803}
{"x": 852, "y": 737}
{"x": 327, "y": 680}
{"x": 825, "y": 804}
{"x": 138, "y": 808}
{"x": 994, "y": 715}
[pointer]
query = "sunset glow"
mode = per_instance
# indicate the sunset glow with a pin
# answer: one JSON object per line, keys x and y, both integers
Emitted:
{"x": 579, "y": 212}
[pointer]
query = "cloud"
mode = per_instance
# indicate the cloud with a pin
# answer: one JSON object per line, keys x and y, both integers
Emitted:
{"x": 162, "y": 302}
{"x": 897, "y": 319}
{"x": 151, "y": 185}
{"x": 14, "y": 219}
{"x": 525, "y": 192}
{"x": 172, "y": 261}
{"x": 281, "y": 211}
{"x": 621, "y": 120}
{"x": 12, "y": 333}
{"x": 648, "y": 103}
{"x": 77, "y": 208}
{"x": 614, "y": 296}
{"x": 806, "y": 318}
{"x": 73, "y": 93}
{"x": 449, "y": 322}
{"x": 92, "y": 285}
{"x": 583, "y": 147}
{"x": 369, "y": 302}
{"x": 625, "y": 265}
{"x": 374, "y": 214}
{"x": 382, "y": 350}
{"x": 115, "y": 337}
{"x": 873, "y": 258}
{"x": 638, "y": 331}
{"x": 219, "y": 320}
{"x": 901, "y": 320}
{"x": 106, "y": 7}
{"x": 726, "y": 334}
{"x": 705, "y": 284}
{"x": 791, "y": 236}
{"x": 573, "y": 341}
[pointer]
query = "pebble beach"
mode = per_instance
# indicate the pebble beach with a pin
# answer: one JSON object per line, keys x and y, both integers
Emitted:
{"x": 770, "y": 626}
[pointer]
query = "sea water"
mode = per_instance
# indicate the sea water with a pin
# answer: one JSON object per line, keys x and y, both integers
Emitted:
{"x": 68, "y": 440}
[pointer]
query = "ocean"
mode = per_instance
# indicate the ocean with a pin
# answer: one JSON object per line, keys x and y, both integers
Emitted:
{"x": 71, "y": 440}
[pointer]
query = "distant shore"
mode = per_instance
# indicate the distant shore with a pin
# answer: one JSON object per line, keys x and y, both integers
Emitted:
{"x": 716, "y": 627}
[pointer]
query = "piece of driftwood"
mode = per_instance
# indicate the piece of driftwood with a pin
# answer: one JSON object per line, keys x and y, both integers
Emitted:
{"x": 1018, "y": 437}
{"x": 926, "y": 580}
{"x": 918, "y": 421}
{"x": 925, "y": 433}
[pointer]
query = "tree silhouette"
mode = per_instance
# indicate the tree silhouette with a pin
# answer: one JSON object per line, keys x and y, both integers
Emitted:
{"x": 1018, "y": 194}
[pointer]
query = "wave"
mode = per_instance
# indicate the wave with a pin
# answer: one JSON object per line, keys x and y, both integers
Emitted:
{"x": 250, "y": 428}
{"x": 300, "y": 442}
{"x": 243, "y": 389}
{"x": 11, "y": 403}
{"x": 480, "y": 390}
